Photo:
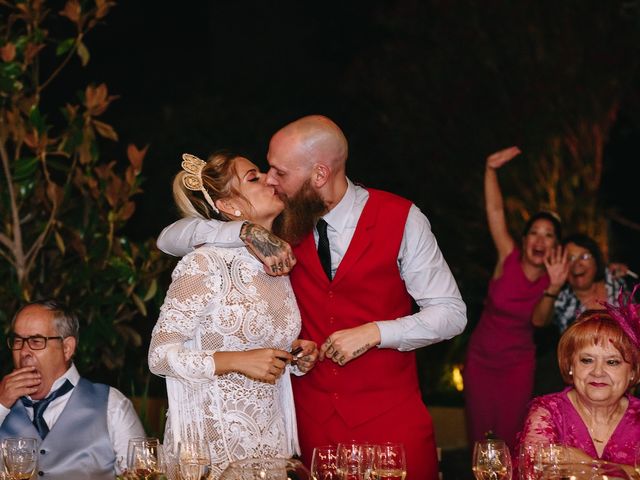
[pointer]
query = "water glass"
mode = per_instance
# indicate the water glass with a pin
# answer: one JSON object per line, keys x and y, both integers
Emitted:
{"x": 324, "y": 463}
{"x": 389, "y": 462}
{"x": 20, "y": 457}
{"x": 491, "y": 460}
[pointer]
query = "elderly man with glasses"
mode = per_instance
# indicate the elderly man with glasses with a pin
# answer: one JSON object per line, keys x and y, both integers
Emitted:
{"x": 82, "y": 427}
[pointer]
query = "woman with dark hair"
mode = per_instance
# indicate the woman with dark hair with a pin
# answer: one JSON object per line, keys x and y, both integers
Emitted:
{"x": 579, "y": 280}
{"x": 595, "y": 417}
{"x": 498, "y": 374}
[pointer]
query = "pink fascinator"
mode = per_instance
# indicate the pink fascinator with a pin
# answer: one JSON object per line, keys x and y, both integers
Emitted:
{"x": 627, "y": 315}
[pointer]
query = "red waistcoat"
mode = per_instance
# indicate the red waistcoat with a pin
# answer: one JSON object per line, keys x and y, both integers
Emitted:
{"x": 367, "y": 287}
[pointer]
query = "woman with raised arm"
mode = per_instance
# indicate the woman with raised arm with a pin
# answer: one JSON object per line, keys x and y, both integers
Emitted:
{"x": 226, "y": 328}
{"x": 500, "y": 365}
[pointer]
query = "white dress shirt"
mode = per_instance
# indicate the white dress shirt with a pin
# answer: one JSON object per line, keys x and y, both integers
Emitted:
{"x": 429, "y": 281}
{"x": 122, "y": 420}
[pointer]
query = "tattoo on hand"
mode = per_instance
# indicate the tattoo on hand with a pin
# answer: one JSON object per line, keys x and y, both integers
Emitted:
{"x": 265, "y": 242}
{"x": 360, "y": 350}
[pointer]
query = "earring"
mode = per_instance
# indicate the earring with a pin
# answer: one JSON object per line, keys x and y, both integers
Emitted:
{"x": 237, "y": 213}
{"x": 570, "y": 371}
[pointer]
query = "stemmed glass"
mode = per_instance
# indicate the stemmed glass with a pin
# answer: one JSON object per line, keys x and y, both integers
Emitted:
{"x": 491, "y": 460}
{"x": 20, "y": 457}
{"x": 389, "y": 462}
{"x": 194, "y": 461}
{"x": 144, "y": 457}
{"x": 324, "y": 463}
{"x": 355, "y": 461}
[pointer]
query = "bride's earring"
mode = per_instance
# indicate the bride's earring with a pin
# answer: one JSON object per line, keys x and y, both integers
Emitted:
{"x": 237, "y": 213}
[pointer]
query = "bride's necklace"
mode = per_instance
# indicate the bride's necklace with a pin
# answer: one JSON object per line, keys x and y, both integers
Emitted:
{"x": 610, "y": 424}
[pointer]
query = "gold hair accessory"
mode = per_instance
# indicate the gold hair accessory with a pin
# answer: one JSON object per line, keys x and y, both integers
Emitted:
{"x": 193, "y": 179}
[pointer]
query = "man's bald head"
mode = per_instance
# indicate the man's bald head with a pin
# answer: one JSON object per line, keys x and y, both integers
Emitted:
{"x": 303, "y": 147}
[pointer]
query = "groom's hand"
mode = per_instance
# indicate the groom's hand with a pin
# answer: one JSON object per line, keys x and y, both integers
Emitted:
{"x": 274, "y": 253}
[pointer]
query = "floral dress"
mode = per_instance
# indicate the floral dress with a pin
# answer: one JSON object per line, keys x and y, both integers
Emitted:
{"x": 567, "y": 307}
{"x": 221, "y": 300}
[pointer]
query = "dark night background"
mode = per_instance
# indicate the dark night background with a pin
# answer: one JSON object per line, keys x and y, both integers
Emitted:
{"x": 424, "y": 92}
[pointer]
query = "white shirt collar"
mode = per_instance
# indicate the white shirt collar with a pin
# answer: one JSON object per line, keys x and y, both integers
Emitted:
{"x": 338, "y": 216}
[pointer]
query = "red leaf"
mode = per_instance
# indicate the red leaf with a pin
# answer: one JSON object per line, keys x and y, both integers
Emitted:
{"x": 136, "y": 156}
{"x": 105, "y": 130}
{"x": 8, "y": 52}
{"x": 72, "y": 10}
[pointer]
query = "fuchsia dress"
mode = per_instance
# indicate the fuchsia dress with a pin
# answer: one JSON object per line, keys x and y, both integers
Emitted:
{"x": 553, "y": 418}
{"x": 499, "y": 371}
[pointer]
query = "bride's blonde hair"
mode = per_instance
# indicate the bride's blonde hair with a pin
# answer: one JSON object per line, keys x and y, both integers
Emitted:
{"x": 199, "y": 185}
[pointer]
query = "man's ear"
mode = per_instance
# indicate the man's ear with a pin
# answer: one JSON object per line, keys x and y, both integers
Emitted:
{"x": 320, "y": 175}
{"x": 69, "y": 347}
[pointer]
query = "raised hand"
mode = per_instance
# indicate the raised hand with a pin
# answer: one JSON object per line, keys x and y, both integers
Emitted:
{"x": 20, "y": 382}
{"x": 557, "y": 265}
{"x": 499, "y": 158}
{"x": 274, "y": 253}
{"x": 345, "y": 345}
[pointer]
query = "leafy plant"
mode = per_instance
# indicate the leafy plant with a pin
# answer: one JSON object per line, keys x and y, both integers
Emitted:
{"x": 62, "y": 205}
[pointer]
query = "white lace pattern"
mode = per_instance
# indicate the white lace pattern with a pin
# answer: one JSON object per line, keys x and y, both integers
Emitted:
{"x": 220, "y": 299}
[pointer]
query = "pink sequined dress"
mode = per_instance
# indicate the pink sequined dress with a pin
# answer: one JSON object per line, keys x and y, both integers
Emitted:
{"x": 553, "y": 418}
{"x": 498, "y": 373}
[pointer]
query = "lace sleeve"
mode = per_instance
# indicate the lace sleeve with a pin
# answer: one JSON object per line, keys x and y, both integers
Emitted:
{"x": 539, "y": 425}
{"x": 175, "y": 343}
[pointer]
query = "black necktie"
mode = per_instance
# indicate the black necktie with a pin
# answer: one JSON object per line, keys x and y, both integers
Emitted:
{"x": 323, "y": 247}
{"x": 40, "y": 406}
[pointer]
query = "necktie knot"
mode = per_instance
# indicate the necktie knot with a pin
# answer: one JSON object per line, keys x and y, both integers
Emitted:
{"x": 41, "y": 405}
{"x": 324, "y": 251}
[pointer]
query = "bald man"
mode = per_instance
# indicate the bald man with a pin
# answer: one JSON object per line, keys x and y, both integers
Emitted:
{"x": 356, "y": 276}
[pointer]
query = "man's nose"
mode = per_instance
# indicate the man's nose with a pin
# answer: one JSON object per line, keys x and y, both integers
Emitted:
{"x": 271, "y": 178}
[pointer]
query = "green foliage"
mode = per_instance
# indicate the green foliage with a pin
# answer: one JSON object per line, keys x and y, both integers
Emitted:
{"x": 62, "y": 206}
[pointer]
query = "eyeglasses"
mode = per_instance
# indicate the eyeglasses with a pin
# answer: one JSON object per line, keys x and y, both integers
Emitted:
{"x": 36, "y": 342}
{"x": 583, "y": 256}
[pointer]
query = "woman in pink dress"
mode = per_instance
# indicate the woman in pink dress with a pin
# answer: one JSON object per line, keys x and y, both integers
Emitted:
{"x": 596, "y": 417}
{"x": 499, "y": 371}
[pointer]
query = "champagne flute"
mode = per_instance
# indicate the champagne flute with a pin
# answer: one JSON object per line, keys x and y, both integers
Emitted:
{"x": 389, "y": 462}
{"x": 20, "y": 457}
{"x": 324, "y": 463}
{"x": 491, "y": 460}
{"x": 194, "y": 461}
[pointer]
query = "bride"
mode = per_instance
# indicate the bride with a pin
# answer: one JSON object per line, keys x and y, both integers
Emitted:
{"x": 226, "y": 328}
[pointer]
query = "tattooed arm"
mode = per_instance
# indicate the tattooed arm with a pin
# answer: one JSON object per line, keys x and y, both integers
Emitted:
{"x": 274, "y": 253}
{"x": 183, "y": 236}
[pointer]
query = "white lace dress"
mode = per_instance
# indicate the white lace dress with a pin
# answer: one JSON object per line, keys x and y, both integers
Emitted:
{"x": 220, "y": 299}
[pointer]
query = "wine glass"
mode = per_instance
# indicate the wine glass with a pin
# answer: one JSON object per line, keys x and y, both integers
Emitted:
{"x": 324, "y": 463}
{"x": 20, "y": 457}
{"x": 194, "y": 461}
{"x": 351, "y": 461}
{"x": 144, "y": 457}
{"x": 389, "y": 462}
{"x": 491, "y": 460}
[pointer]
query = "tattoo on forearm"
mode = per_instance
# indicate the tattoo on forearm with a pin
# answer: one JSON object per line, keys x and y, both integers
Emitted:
{"x": 360, "y": 350}
{"x": 265, "y": 242}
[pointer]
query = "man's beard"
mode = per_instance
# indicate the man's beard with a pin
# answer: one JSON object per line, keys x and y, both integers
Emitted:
{"x": 300, "y": 215}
